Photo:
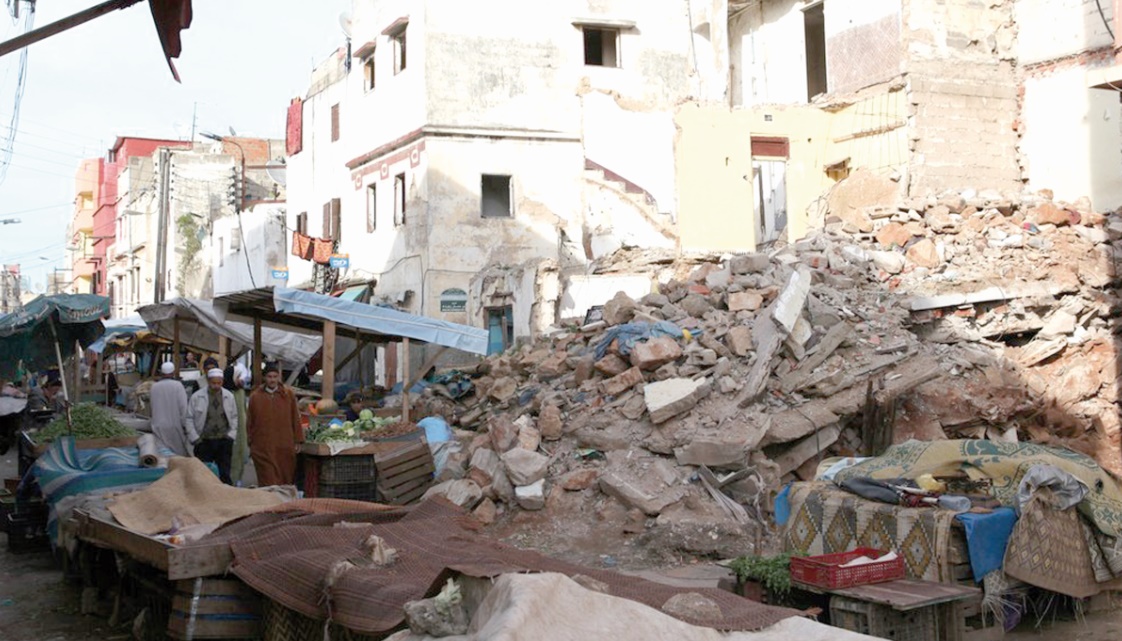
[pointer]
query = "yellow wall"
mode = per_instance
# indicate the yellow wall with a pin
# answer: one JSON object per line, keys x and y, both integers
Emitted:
{"x": 713, "y": 156}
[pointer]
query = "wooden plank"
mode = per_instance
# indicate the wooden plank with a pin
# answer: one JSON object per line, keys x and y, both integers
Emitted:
{"x": 406, "y": 451}
{"x": 406, "y": 404}
{"x": 409, "y": 497}
{"x": 830, "y": 342}
{"x": 406, "y": 488}
{"x": 806, "y": 449}
{"x": 768, "y": 340}
{"x": 425, "y": 367}
{"x": 328, "y": 385}
{"x": 904, "y": 595}
{"x": 424, "y": 471}
{"x": 258, "y": 373}
{"x": 389, "y": 471}
{"x": 196, "y": 561}
{"x": 101, "y": 533}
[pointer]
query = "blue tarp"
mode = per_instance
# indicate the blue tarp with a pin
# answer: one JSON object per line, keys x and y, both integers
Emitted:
{"x": 382, "y": 320}
{"x": 987, "y": 535}
{"x": 118, "y": 328}
{"x": 631, "y": 333}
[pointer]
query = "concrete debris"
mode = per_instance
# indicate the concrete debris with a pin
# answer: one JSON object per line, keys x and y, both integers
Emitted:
{"x": 464, "y": 493}
{"x": 973, "y": 315}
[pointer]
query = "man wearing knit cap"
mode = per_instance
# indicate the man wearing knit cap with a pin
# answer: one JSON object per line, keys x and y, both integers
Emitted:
{"x": 274, "y": 430}
{"x": 213, "y": 424}
{"x": 168, "y": 399}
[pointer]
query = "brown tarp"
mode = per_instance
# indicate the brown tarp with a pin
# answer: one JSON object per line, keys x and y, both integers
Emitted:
{"x": 286, "y": 555}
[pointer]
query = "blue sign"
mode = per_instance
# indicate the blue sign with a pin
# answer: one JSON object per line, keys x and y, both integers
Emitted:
{"x": 280, "y": 274}
{"x": 340, "y": 261}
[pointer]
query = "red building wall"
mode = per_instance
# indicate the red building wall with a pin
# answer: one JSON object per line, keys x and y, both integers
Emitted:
{"x": 105, "y": 216}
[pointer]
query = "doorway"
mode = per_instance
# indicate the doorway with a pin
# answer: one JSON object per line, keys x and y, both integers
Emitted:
{"x": 500, "y": 329}
{"x": 769, "y": 171}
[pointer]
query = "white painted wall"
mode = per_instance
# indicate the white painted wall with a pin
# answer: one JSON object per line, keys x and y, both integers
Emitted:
{"x": 847, "y": 14}
{"x": 1050, "y": 29}
{"x": 584, "y": 292}
{"x": 261, "y": 236}
{"x": 768, "y": 49}
{"x": 1072, "y": 138}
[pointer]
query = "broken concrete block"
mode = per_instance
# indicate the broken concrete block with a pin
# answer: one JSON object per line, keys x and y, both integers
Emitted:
{"x": 749, "y": 263}
{"x": 718, "y": 278}
{"x": 655, "y": 300}
{"x": 464, "y": 493}
{"x": 806, "y": 449}
{"x": 619, "y": 310}
{"x": 695, "y": 305}
{"x": 654, "y": 353}
{"x": 650, "y": 495}
{"x": 503, "y": 389}
{"x": 727, "y": 385}
{"x": 550, "y": 424}
{"x": 665, "y": 372}
{"x": 893, "y": 235}
{"x": 524, "y": 467}
{"x": 745, "y": 301}
{"x": 739, "y": 340}
{"x": 789, "y": 305}
{"x": 891, "y": 262}
{"x": 583, "y": 371}
{"x": 553, "y": 367}
{"x": 504, "y": 434}
{"x": 1050, "y": 214}
{"x": 693, "y": 606}
{"x": 579, "y": 480}
{"x": 1060, "y": 323}
{"x": 611, "y": 365}
{"x": 939, "y": 219}
{"x": 667, "y": 399}
{"x": 924, "y": 254}
{"x": 486, "y": 512}
{"x": 619, "y": 384}
{"x": 702, "y": 451}
{"x": 529, "y": 438}
{"x": 530, "y": 497}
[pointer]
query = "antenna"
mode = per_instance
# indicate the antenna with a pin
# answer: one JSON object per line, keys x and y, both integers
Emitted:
{"x": 232, "y": 132}
{"x": 277, "y": 171}
{"x": 345, "y": 23}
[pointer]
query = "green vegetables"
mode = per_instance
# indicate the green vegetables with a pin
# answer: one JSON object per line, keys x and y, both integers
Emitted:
{"x": 89, "y": 422}
{"x": 367, "y": 426}
{"x": 773, "y": 572}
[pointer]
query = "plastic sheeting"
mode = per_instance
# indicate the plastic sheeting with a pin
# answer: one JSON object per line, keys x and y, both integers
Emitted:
{"x": 382, "y": 320}
{"x": 26, "y": 335}
{"x": 200, "y": 327}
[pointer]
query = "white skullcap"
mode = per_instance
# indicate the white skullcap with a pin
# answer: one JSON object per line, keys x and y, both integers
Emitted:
{"x": 167, "y": 368}
{"x": 214, "y": 373}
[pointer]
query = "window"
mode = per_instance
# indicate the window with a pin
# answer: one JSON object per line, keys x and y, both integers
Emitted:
{"x": 221, "y": 251}
{"x": 334, "y": 123}
{"x": 235, "y": 239}
{"x": 399, "y": 200}
{"x": 302, "y": 223}
{"x": 496, "y": 197}
{"x": 814, "y": 25}
{"x": 453, "y": 300}
{"x": 398, "y": 52}
{"x": 601, "y": 47}
{"x": 368, "y": 72}
{"x": 371, "y": 207}
{"x": 332, "y": 220}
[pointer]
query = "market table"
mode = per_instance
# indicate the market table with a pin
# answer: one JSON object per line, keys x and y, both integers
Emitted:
{"x": 904, "y": 610}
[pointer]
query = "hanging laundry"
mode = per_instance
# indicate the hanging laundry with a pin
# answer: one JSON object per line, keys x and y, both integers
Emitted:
{"x": 301, "y": 245}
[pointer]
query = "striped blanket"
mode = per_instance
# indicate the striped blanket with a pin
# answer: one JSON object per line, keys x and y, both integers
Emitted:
{"x": 65, "y": 472}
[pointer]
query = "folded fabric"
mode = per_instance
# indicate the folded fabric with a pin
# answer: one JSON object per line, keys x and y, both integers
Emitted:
{"x": 987, "y": 535}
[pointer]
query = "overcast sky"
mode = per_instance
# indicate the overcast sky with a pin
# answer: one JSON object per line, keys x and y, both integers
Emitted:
{"x": 242, "y": 61}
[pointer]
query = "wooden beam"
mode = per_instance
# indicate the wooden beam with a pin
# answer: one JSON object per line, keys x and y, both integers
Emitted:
{"x": 258, "y": 373}
{"x": 350, "y": 357}
{"x": 199, "y": 560}
{"x": 223, "y": 351}
{"x": 104, "y": 534}
{"x": 329, "y": 359}
{"x": 425, "y": 367}
{"x": 58, "y": 26}
{"x": 405, "y": 408}
{"x": 175, "y": 345}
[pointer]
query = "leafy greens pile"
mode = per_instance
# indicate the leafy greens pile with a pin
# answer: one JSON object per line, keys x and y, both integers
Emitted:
{"x": 89, "y": 422}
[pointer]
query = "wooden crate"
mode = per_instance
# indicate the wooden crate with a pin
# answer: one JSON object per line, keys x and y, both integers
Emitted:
{"x": 211, "y": 608}
{"x": 405, "y": 473}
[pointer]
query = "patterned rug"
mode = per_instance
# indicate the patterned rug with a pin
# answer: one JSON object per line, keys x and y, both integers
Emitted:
{"x": 825, "y": 520}
{"x": 1049, "y": 549}
{"x": 1005, "y": 464}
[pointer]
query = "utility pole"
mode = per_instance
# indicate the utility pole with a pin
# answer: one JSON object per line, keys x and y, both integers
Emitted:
{"x": 162, "y": 225}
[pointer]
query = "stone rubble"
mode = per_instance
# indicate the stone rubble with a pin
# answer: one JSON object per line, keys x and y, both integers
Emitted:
{"x": 978, "y": 315}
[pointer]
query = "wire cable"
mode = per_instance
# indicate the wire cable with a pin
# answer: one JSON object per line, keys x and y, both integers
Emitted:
{"x": 1102, "y": 15}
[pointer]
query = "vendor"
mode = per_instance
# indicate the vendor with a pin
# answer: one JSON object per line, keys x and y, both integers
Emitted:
{"x": 49, "y": 397}
{"x": 213, "y": 424}
{"x": 274, "y": 430}
{"x": 354, "y": 405}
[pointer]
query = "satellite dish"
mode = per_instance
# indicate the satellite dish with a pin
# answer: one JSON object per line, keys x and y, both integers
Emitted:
{"x": 277, "y": 171}
{"x": 345, "y": 23}
{"x": 232, "y": 132}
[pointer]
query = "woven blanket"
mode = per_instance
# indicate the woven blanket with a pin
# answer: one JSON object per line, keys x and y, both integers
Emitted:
{"x": 288, "y": 557}
{"x": 1005, "y": 464}
{"x": 64, "y": 471}
{"x": 825, "y": 520}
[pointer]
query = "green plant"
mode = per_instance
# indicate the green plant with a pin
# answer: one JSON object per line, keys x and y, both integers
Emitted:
{"x": 89, "y": 422}
{"x": 773, "y": 572}
{"x": 188, "y": 228}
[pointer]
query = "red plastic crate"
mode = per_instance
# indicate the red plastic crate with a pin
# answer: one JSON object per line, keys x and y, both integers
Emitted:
{"x": 825, "y": 571}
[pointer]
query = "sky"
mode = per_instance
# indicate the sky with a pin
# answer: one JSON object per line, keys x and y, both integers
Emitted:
{"x": 242, "y": 61}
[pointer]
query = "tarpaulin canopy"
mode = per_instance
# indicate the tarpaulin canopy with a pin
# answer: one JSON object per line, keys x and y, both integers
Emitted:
{"x": 380, "y": 320}
{"x": 200, "y": 328}
{"x": 121, "y": 334}
{"x": 30, "y": 334}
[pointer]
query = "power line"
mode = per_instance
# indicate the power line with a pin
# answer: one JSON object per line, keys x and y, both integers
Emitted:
{"x": 52, "y": 150}
{"x": 21, "y": 84}
{"x": 44, "y": 125}
{"x": 26, "y": 211}
{"x": 24, "y": 132}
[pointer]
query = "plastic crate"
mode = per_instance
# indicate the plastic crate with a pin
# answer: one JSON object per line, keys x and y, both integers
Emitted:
{"x": 825, "y": 571}
{"x": 347, "y": 469}
{"x": 883, "y": 622}
{"x": 10, "y": 504}
{"x": 27, "y": 531}
{"x": 364, "y": 491}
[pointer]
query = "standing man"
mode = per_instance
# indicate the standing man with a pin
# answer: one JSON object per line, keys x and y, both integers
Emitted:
{"x": 236, "y": 379}
{"x": 213, "y": 424}
{"x": 168, "y": 398}
{"x": 274, "y": 430}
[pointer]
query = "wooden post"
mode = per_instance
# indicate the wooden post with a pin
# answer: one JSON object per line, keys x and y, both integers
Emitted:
{"x": 175, "y": 346}
{"x": 405, "y": 378}
{"x": 257, "y": 376}
{"x": 77, "y": 373}
{"x": 361, "y": 371}
{"x": 329, "y": 359}
{"x": 223, "y": 351}
{"x": 58, "y": 357}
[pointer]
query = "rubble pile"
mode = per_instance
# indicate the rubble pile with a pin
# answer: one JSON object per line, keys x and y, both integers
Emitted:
{"x": 963, "y": 316}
